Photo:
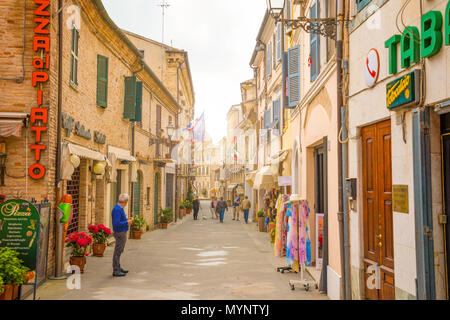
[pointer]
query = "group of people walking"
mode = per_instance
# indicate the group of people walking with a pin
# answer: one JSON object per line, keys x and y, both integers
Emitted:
{"x": 218, "y": 208}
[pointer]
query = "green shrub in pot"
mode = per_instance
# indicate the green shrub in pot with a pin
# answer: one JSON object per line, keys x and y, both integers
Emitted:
{"x": 138, "y": 223}
{"x": 12, "y": 270}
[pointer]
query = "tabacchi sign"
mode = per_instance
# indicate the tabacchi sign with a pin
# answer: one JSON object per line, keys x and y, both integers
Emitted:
{"x": 39, "y": 115}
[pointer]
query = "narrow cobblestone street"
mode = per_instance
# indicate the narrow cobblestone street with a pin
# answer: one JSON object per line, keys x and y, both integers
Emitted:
{"x": 191, "y": 260}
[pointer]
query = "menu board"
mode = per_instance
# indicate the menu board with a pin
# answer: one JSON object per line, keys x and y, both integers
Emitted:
{"x": 19, "y": 229}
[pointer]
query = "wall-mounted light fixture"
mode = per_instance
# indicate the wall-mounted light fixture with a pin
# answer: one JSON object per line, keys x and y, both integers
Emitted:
{"x": 326, "y": 27}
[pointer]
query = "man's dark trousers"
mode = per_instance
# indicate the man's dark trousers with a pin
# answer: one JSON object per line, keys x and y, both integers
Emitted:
{"x": 121, "y": 239}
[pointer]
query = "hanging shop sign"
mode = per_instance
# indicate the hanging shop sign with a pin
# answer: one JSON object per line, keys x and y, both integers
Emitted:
{"x": 39, "y": 115}
{"x": 372, "y": 67}
{"x": 404, "y": 91}
{"x": 415, "y": 44}
{"x": 70, "y": 125}
{"x": 284, "y": 181}
{"x": 19, "y": 230}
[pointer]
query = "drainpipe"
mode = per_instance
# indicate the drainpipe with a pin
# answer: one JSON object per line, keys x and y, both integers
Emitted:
{"x": 342, "y": 155}
{"x": 59, "y": 226}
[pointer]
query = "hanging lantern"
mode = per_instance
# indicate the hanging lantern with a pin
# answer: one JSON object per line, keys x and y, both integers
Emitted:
{"x": 99, "y": 168}
{"x": 75, "y": 160}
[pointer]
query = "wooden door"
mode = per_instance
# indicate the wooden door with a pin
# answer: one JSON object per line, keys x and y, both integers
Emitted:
{"x": 377, "y": 206}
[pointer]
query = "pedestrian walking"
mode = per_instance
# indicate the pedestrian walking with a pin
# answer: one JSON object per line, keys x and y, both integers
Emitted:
{"x": 214, "y": 214}
{"x": 246, "y": 205}
{"x": 236, "y": 205}
{"x": 196, "y": 207}
{"x": 221, "y": 207}
{"x": 121, "y": 225}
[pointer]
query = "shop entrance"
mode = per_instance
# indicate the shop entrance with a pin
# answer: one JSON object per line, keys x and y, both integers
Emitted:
{"x": 377, "y": 206}
{"x": 169, "y": 191}
{"x": 73, "y": 189}
{"x": 137, "y": 195}
{"x": 115, "y": 188}
{"x": 320, "y": 201}
{"x": 445, "y": 138}
{"x": 155, "y": 205}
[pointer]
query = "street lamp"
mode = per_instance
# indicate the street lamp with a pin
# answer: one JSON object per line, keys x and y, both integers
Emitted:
{"x": 326, "y": 27}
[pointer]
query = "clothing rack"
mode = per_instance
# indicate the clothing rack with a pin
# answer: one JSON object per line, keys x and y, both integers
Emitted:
{"x": 303, "y": 281}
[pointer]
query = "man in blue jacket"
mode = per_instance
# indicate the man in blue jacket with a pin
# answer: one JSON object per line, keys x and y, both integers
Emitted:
{"x": 120, "y": 227}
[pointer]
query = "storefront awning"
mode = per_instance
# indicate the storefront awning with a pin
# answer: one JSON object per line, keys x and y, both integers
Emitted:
{"x": 115, "y": 153}
{"x": 266, "y": 178}
{"x": 280, "y": 156}
{"x": 10, "y": 128}
{"x": 250, "y": 177}
{"x": 85, "y": 153}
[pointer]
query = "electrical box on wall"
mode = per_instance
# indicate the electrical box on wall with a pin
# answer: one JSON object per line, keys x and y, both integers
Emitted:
{"x": 350, "y": 188}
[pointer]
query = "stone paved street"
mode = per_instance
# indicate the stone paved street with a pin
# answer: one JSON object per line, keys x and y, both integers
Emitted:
{"x": 191, "y": 260}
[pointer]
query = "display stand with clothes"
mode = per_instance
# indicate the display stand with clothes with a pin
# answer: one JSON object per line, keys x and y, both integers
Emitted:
{"x": 281, "y": 231}
{"x": 299, "y": 241}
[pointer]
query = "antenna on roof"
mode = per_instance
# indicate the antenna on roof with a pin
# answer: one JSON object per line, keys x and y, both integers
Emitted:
{"x": 164, "y": 5}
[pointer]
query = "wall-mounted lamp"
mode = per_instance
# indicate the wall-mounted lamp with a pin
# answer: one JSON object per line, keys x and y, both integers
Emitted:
{"x": 75, "y": 160}
{"x": 99, "y": 168}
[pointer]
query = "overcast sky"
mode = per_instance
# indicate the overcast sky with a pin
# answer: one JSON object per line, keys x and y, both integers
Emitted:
{"x": 219, "y": 36}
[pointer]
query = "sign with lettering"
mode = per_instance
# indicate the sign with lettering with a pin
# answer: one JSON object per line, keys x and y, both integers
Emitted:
{"x": 19, "y": 229}
{"x": 284, "y": 181}
{"x": 403, "y": 91}
{"x": 41, "y": 65}
{"x": 400, "y": 198}
{"x": 69, "y": 124}
{"x": 372, "y": 67}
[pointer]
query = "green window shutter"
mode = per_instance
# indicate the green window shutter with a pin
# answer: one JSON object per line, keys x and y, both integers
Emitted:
{"x": 129, "y": 109}
{"x": 138, "y": 114}
{"x": 102, "y": 81}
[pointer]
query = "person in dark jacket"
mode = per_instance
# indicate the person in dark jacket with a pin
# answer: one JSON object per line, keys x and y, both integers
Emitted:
{"x": 120, "y": 227}
{"x": 221, "y": 207}
{"x": 196, "y": 204}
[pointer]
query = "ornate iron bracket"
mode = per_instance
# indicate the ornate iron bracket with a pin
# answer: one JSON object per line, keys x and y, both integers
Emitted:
{"x": 326, "y": 27}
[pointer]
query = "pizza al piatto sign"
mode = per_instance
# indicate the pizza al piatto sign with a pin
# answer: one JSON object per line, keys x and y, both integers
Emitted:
{"x": 41, "y": 65}
{"x": 372, "y": 67}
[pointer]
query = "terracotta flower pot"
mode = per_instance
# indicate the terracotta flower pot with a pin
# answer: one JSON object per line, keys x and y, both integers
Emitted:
{"x": 98, "y": 249}
{"x": 137, "y": 234}
{"x": 10, "y": 292}
{"x": 164, "y": 225}
{"x": 78, "y": 261}
{"x": 261, "y": 221}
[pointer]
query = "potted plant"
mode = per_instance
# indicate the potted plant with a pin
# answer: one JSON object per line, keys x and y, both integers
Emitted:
{"x": 182, "y": 210}
{"x": 261, "y": 220}
{"x": 166, "y": 217}
{"x": 189, "y": 206}
{"x": 136, "y": 227}
{"x": 79, "y": 242}
{"x": 100, "y": 235}
{"x": 12, "y": 274}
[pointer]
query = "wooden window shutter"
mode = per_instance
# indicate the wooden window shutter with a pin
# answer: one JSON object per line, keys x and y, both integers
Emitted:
{"x": 138, "y": 114}
{"x": 129, "y": 109}
{"x": 267, "y": 119}
{"x": 276, "y": 113}
{"x": 102, "y": 81}
{"x": 269, "y": 59}
{"x": 279, "y": 39}
{"x": 293, "y": 76}
{"x": 74, "y": 56}
{"x": 315, "y": 44}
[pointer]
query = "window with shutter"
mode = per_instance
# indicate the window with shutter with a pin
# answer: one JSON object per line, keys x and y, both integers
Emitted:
{"x": 267, "y": 119}
{"x": 269, "y": 60}
{"x": 138, "y": 112}
{"x": 129, "y": 109}
{"x": 279, "y": 39}
{"x": 276, "y": 114}
{"x": 158, "y": 129}
{"x": 74, "y": 56}
{"x": 287, "y": 10}
{"x": 315, "y": 44}
{"x": 102, "y": 81}
{"x": 293, "y": 76}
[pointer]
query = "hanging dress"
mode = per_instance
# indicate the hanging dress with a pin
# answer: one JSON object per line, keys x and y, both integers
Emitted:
{"x": 292, "y": 236}
{"x": 278, "y": 248}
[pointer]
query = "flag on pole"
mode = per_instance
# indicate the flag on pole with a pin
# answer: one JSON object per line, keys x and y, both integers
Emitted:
{"x": 235, "y": 149}
{"x": 199, "y": 128}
